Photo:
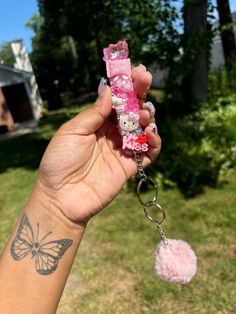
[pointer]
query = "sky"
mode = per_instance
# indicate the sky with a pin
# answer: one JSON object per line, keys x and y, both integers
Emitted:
{"x": 14, "y": 14}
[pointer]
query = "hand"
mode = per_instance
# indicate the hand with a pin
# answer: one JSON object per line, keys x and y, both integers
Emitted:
{"x": 84, "y": 167}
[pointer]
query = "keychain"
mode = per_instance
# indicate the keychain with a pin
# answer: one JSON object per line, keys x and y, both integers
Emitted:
{"x": 175, "y": 260}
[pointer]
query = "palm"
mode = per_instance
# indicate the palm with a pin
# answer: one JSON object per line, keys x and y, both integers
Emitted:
{"x": 86, "y": 173}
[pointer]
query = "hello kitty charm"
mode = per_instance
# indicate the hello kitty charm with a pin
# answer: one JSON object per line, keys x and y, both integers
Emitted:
{"x": 124, "y": 98}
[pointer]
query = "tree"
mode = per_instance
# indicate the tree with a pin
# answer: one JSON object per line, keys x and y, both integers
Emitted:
{"x": 147, "y": 25}
{"x": 184, "y": 160}
{"x": 195, "y": 50}
{"x": 45, "y": 57}
{"x": 227, "y": 32}
{"x": 6, "y": 55}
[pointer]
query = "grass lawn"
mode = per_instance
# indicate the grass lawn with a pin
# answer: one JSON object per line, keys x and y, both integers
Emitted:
{"x": 113, "y": 271}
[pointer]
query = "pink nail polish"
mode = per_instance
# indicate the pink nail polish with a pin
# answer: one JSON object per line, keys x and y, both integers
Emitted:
{"x": 154, "y": 127}
{"x": 141, "y": 66}
{"x": 102, "y": 86}
{"x": 149, "y": 106}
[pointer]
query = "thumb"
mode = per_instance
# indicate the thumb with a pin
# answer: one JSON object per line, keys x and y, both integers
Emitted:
{"x": 90, "y": 120}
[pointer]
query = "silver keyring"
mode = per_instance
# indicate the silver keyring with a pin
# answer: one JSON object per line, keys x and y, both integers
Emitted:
{"x": 147, "y": 203}
{"x": 159, "y": 222}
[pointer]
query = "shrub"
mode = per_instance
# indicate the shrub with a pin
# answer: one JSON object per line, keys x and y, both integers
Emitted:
{"x": 199, "y": 147}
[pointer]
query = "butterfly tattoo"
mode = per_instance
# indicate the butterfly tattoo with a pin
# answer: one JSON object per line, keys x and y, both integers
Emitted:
{"x": 46, "y": 255}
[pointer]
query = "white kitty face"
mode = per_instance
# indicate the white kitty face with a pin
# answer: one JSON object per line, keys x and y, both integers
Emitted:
{"x": 127, "y": 123}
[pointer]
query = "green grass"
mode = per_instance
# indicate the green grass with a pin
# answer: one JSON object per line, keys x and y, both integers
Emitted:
{"x": 113, "y": 271}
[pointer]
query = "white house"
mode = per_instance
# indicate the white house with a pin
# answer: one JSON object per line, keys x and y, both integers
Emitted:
{"x": 19, "y": 95}
{"x": 16, "y": 104}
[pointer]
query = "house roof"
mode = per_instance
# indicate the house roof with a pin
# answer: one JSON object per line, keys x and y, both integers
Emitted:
{"x": 11, "y": 76}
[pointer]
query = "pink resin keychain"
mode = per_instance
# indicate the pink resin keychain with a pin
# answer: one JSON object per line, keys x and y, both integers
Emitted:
{"x": 175, "y": 260}
{"x": 124, "y": 98}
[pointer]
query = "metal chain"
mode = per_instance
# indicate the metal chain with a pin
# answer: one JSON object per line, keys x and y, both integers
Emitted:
{"x": 138, "y": 162}
{"x": 162, "y": 235}
{"x": 149, "y": 203}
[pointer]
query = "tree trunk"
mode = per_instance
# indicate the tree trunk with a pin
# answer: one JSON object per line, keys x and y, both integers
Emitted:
{"x": 195, "y": 50}
{"x": 227, "y": 34}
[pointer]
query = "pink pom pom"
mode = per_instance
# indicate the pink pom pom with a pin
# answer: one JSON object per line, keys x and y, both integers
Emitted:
{"x": 175, "y": 261}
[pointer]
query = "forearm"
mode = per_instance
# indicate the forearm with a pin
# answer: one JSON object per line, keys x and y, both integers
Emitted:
{"x": 32, "y": 277}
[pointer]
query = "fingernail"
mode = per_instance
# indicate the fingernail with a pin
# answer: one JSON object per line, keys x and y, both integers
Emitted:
{"x": 149, "y": 106}
{"x": 154, "y": 127}
{"x": 102, "y": 86}
{"x": 142, "y": 67}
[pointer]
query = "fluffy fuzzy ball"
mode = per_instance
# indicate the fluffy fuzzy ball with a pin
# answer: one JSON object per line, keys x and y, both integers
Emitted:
{"x": 175, "y": 261}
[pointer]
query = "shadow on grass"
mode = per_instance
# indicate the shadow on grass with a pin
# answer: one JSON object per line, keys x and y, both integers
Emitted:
{"x": 27, "y": 150}
{"x": 55, "y": 119}
{"x": 23, "y": 151}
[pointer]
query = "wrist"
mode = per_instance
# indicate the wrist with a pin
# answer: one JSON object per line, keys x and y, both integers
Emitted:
{"x": 43, "y": 204}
